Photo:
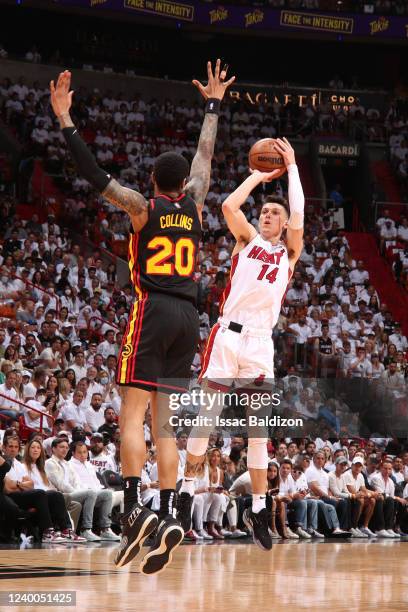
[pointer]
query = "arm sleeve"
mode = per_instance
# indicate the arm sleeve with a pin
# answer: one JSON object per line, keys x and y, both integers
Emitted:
{"x": 85, "y": 161}
{"x": 296, "y": 198}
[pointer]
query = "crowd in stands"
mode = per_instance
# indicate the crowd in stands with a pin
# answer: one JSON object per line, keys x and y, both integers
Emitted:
{"x": 63, "y": 316}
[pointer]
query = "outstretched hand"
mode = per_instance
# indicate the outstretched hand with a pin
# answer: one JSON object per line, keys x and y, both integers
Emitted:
{"x": 61, "y": 94}
{"x": 267, "y": 177}
{"x": 216, "y": 86}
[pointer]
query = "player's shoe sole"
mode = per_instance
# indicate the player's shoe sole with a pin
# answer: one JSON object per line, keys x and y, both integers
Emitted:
{"x": 136, "y": 527}
{"x": 169, "y": 536}
{"x": 259, "y": 530}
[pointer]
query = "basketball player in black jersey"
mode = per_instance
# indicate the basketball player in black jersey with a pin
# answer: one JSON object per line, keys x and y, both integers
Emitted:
{"x": 163, "y": 329}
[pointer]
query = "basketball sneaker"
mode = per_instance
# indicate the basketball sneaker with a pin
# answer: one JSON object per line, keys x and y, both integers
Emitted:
{"x": 137, "y": 525}
{"x": 184, "y": 505}
{"x": 169, "y": 535}
{"x": 257, "y": 524}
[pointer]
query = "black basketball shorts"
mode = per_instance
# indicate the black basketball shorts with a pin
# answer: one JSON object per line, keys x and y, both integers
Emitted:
{"x": 159, "y": 344}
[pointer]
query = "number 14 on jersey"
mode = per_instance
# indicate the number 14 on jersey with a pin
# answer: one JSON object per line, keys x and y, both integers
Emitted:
{"x": 268, "y": 272}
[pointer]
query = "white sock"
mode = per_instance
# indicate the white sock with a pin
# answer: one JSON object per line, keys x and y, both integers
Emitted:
{"x": 258, "y": 502}
{"x": 187, "y": 486}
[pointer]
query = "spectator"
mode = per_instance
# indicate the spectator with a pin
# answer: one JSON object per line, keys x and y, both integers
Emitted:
{"x": 20, "y": 489}
{"x": 34, "y": 467}
{"x": 382, "y": 483}
{"x": 88, "y": 480}
{"x": 318, "y": 481}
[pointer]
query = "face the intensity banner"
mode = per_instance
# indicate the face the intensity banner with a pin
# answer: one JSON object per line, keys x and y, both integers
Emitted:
{"x": 247, "y": 17}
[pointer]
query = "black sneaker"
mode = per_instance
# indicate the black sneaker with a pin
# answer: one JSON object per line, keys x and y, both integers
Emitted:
{"x": 137, "y": 525}
{"x": 258, "y": 526}
{"x": 184, "y": 504}
{"x": 168, "y": 536}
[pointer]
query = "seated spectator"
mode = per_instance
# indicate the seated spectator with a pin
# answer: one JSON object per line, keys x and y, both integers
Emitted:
{"x": 301, "y": 486}
{"x": 9, "y": 409}
{"x": 20, "y": 489}
{"x": 33, "y": 418}
{"x": 110, "y": 425}
{"x": 318, "y": 481}
{"x": 95, "y": 414}
{"x": 63, "y": 477}
{"x": 74, "y": 413}
{"x": 99, "y": 457}
{"x": 87, "y": 479}
{"x": 294, "y": 500}
{"x": 362, "y": 500}
{"x": 34, "y": 466}
{"x": 382, "y": 482}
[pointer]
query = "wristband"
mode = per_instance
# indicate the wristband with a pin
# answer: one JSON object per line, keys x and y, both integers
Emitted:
{"x": 213, "y": 106}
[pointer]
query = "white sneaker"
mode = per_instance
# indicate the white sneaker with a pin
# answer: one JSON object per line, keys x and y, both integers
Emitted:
{"x": 196, "y": 535}
{"x": 108, "y": 534}
{"x": 290, "y": 535}
{"x": 354, "y": 533}
{"x": 204, "y": 534}
{"x": 226, "y": 533}
{"x": 367, "y": 532}
{"x": 90, "y": 536}
{"x": 383, "y": 533}
{"x": 303, "y": 534}
{"x": 362, "y": 534}
{"x": 316, "y": 534}
{"x": 393, "y": 534}
{"x": 237, "y": 533}
{"x": 339, "y": 531}
{"x": 274, "y": 534}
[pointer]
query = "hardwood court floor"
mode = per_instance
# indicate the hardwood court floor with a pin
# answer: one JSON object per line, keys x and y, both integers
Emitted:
{"x": 352, "y": 576}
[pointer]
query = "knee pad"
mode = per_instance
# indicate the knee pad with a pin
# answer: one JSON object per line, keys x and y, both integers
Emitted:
{"x": 197, "y": 446}
{"x": 257, "y": 457}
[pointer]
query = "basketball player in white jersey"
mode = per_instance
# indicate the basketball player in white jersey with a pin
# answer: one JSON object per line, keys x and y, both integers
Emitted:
{"x": 240, "y": 345}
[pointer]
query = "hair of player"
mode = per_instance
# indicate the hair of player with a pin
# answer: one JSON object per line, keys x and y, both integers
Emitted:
{"x": 169, "y": 170}
{"x": 272, "y": 199}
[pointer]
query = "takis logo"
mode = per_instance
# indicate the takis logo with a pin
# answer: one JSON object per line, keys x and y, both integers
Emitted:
{"x": 379, "y": 25}
{"x": 253, "y": 18}
{"x": 218, "y": 14}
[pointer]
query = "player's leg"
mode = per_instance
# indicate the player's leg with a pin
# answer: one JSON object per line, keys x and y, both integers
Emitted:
{"x": 138, "y": 522}
{"x": 178, "y": 356}
{"x": 219, "y": 369}
{"x": 256, "y": 370}
{"x": 256, "y": 518}
{"x": 169, "y": 532}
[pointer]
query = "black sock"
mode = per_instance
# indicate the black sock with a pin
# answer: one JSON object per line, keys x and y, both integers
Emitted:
{"x": 131, "y": 487}
{"x": 167, "y": 503}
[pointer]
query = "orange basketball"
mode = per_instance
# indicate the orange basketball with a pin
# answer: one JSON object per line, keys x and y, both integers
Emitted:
{"x": 264, "y": 157}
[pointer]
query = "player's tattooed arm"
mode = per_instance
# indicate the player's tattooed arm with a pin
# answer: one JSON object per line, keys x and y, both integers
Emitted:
{"x": 200, "y": 172}
{"x": 214, "y": 91}
{"x": 127, "y": 199}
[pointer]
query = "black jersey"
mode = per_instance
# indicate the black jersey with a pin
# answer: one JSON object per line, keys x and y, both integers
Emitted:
{"x": 162, "y": 255}
{"x": 325, "y": 345}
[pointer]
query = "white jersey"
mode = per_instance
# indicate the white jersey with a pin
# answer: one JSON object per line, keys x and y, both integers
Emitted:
{"x": 259, "y": 277}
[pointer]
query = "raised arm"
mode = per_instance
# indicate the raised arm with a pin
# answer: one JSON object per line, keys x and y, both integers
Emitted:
{"x": 126, "y": 199}
{"x": 238, "y": 225}
{"x": 213, "y": 92}
{"x": 294, "y": 233}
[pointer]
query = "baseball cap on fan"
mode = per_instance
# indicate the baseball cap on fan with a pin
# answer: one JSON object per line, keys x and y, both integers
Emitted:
{"x": 340, "y": 460}
{"x": 359, "y": 460}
